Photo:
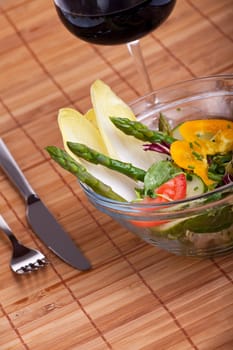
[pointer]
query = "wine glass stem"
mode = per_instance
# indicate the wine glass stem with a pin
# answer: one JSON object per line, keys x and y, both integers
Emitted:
{"x": 135, "y": 51}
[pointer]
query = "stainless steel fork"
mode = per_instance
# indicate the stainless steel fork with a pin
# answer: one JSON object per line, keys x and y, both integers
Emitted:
{"x": 24, "y": 259}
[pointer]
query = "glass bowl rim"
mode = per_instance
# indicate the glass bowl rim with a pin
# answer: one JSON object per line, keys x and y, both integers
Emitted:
{"x": 183, "y": 82}
{"x": 139, "y": 205}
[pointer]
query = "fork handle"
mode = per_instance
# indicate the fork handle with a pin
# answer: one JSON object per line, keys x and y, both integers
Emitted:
{"x": 15, "y": 174}
{"x": 7, "y": 230}
{"x": 4, "y": 226}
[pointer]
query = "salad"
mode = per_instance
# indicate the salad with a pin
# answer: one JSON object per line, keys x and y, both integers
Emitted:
{"x": 122, "y": 159}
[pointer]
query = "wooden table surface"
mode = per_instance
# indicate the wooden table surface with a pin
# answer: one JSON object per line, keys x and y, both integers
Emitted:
{"x": 136, "y": 296}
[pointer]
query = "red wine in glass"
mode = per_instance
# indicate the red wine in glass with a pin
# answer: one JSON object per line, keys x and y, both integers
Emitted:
{"x": 109, "y": 22}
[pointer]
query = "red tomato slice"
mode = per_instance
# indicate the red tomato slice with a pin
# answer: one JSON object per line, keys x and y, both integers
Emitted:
{"x": 172, "y": 190}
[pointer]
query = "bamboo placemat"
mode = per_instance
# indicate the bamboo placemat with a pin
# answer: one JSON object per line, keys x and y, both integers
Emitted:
{"x": 136, "y": 296}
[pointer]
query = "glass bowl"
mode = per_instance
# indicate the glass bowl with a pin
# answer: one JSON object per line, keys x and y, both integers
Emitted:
{"x": 200, "y": 226}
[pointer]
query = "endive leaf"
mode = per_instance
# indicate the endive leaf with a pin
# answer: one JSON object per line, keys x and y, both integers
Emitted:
{"x": 90, "y": 115}
{"x": 75, "y": 127}
{"x": 128, "y": 149}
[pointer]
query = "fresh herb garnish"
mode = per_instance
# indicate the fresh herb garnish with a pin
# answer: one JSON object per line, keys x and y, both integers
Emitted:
{"x": 197, "y": 155}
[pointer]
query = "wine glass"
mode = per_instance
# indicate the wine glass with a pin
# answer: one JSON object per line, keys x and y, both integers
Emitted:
{"x": 113, "y": 22}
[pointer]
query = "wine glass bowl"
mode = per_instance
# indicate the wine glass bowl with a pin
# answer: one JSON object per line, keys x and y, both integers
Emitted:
{"x": 112, "y": 22}
{"x": 106, "y": 22}
{"x": 200, "y": 225}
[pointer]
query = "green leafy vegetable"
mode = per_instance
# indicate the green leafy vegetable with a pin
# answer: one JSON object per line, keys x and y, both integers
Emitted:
{"x": 210, "y": 221}
{"x": 220, "y": 164}
{"x": 158, "y": 174}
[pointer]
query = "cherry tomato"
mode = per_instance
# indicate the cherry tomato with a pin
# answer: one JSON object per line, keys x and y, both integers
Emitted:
{"x": 172, "y": 190}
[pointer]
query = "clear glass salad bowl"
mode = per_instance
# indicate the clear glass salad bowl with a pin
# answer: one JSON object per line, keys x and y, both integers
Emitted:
{"x": 197, "y": 226}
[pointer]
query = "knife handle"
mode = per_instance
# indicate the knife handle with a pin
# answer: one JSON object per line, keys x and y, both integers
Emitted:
{"x": 15, "y": 174}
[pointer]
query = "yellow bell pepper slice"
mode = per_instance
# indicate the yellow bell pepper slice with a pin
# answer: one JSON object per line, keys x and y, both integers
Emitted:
{"x": 204, "y": 129}
{"x": 202, "y": 138}
{"x": 224, "y": 140}
{"x": 191, "y": 157}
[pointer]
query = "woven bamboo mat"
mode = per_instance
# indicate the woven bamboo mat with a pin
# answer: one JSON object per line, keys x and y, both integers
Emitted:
{"x": 136, "y": 296}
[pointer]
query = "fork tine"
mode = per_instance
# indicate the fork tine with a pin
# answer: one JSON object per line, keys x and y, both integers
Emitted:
{"x": 34, "y": 266}
{"x": 37, "y": 266}
{"x": 23, "y": 270}
{"x": 44, "y": 261}
{"x": 20, "y": 271}
{"x": 29, "y": 269}
{"x": 40, "y": 262}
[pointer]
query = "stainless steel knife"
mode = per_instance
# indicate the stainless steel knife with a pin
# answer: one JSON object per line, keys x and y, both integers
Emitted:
{"x": 39, "y": 217}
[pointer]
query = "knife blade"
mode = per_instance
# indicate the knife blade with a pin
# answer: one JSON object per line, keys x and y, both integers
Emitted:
{"x": 41, "y": 220}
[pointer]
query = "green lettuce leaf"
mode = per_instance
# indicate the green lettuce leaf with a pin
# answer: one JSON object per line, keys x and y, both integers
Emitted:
{"x": 159, "y": 173}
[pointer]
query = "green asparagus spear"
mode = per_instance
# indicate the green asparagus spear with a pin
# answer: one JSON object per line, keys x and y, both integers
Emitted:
{"x": 140, "y": 131}
{"x": 68, "y": 163}
{"x": 229, "y": 167}
{"x": 164, "y": 125}
{"x": 95, "y": 157}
